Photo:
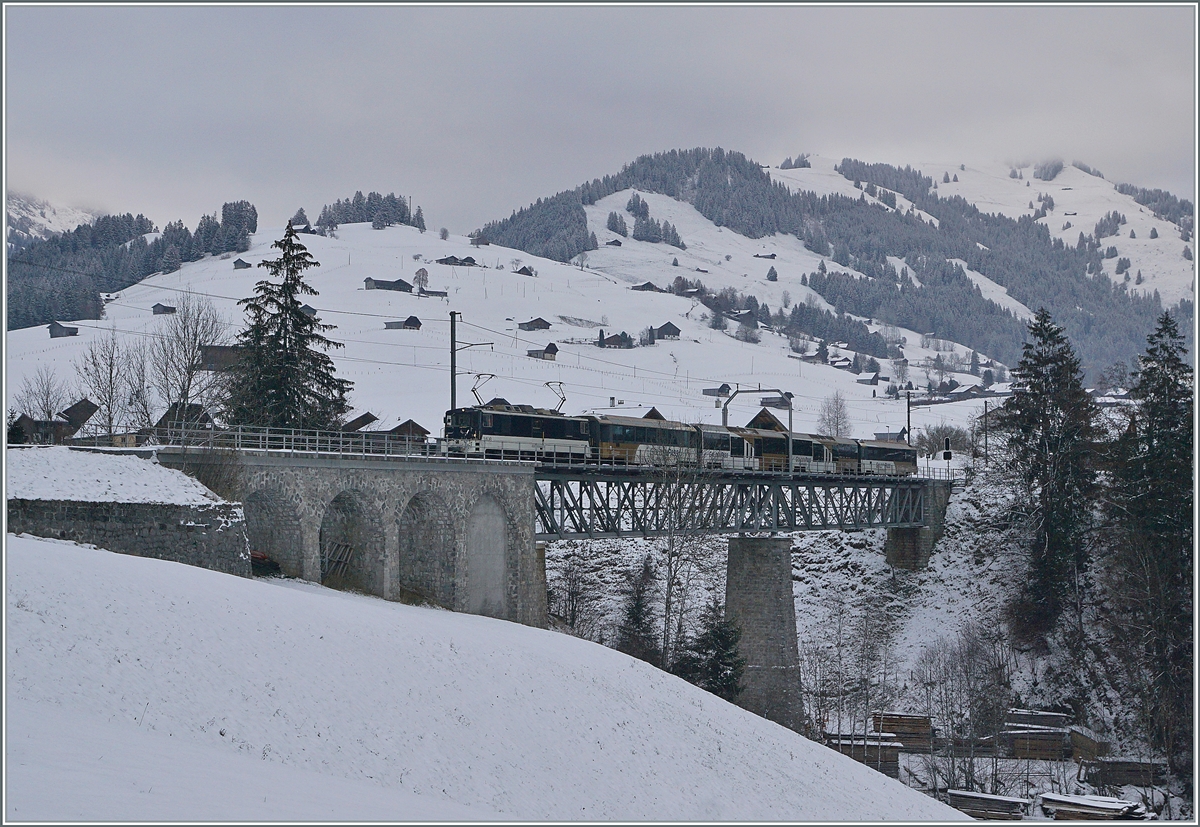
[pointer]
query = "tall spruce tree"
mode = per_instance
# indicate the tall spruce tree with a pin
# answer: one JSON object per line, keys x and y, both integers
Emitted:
{"x": 282, "y": 378}
{"x": 711, "y": 659}
{"x": 636, "y": 635}
{"x": 1050, "y": 427}
{"x": 1150, "y": 504}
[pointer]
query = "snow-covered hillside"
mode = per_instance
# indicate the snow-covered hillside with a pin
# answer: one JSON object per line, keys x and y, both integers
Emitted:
{"x": 145, "y": 690}
{"x": 402, "y": 374}
{"x": 1080, "y": 200}
{"x": 30, "y": 218}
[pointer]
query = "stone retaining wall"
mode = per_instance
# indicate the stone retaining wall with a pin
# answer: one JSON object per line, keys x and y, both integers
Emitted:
{"x": 209, "y": 536}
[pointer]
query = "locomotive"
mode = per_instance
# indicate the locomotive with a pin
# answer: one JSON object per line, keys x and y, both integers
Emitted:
{"x": 500, "y": 430}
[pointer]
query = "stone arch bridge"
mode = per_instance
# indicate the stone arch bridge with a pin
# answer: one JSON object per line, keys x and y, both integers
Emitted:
{"x": 407, "y": 528}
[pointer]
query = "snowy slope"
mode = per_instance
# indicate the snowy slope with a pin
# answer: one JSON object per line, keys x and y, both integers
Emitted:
{"x": 53, "y": 472}
{"x": 31, "y": 218}
{"x": 161, "y": 691}
{"x": 402, "y": 374}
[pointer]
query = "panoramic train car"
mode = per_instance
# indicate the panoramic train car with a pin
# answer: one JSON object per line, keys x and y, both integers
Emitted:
{"x": 811, "y": 456}
{"x": 721, "y": 448}
{"x": 499, "y": 430}
{"x": 842, "y": 452}
{"x": 892, "y": 458}
{"x": 628, "y": 440}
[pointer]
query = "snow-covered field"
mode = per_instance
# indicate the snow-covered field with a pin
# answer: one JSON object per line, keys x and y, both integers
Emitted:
{"x": 143, "y": 690}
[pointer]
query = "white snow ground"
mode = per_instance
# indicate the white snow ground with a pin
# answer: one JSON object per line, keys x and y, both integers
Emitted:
{"x": 55, "y": 472}
{"x": 145, "y": 690}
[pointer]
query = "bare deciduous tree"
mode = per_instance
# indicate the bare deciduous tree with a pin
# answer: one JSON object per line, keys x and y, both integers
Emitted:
{"x": 42, "y": 395}
{"x": 140, "y": 396}
{"x": 834, "y": 419}
{"x": 101, "y": 373}
{"x": 175, "y": 365}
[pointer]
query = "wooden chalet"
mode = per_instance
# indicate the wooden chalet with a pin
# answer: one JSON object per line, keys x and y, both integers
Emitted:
{"x": 30, "y": 431}
{"x": 667, "y": 331}
{"x": 359, "y": 422}
{"x": 549, "y": 352}
{"x": 616, "y": 242}
{"x": 888, "y": 436}
{"x": 79, "y": 413}
{"x": 534, "y": 324}
{"x": 768, "y": 255}
{"x": 873, "y": 379}
{"x": 399, "y": 285}
{"x": 57, "y": 331}
{"x": 988, "y": 807}
{"x": 618, "y": 340}
{"x": 179, "y": 413}
{"x": 411, "y": 323}
{"x": 409, "y": 428}
{"x": 240, "y": 264}
{"x": 646, "y": 287}
{"x": 161, "y": 309}
{"x": 722, "y": 391}
{"x": 524, "y": 271}
{"x": 308, "y": 310}
{"x": 455, "y": 261}
{"x": 218, "y": 357}
{"x": 764, "y": 420}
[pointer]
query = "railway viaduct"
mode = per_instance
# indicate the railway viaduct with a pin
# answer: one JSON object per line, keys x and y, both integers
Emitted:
{"x": 463, "y": 534}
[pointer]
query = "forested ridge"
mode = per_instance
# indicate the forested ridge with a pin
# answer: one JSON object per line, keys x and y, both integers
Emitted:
{"x": 63, "y": 276}
{"x": 1106, "y": 322}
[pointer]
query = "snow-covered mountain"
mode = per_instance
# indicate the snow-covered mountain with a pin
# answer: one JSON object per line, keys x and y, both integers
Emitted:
{"x": 30, "y": 218}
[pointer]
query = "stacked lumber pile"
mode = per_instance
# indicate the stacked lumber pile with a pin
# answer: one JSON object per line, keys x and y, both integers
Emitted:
{"x": 1118, "y": 772}
{"x": 879, "y": 751}
{"x": 1037, "y": 717}
{"x": 1037, "y": 743}
{"x": 1086, "y": 745}
{"x": 1091, "y": 808}
{"x": 991, "y": 807}
{"x": 915, "y": 731}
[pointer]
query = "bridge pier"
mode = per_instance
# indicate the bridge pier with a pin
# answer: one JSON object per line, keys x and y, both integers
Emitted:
{"x": 758, "y": 599}
{"x": 909, "y": 548}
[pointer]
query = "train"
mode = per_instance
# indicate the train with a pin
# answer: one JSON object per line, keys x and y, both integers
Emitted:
{"x": 500, "y": 430}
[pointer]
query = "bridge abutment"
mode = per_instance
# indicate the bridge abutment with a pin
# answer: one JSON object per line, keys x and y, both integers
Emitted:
{"x": 758, "y": 599}
{"x": 910, "y": 548}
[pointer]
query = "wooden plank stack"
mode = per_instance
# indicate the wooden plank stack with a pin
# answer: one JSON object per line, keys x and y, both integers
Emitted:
{"x": 1091, "y": 808}
{"x": 1037, "y": 743}
{"x": 1118, "y": 772}
{"x": 1086, "y": 745}
{"x": 1037, "y": 717}
{"x": 915, "y": 731}
{"x": 879, "y": 751}
{"x": 991, "y": 807}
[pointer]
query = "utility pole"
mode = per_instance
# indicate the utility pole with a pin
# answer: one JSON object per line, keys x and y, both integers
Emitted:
{"x": 453, "y": 361}
{"x": 985, "y": 441}
{"x": 907, "y": 416}
{"x": 455, "y": 347}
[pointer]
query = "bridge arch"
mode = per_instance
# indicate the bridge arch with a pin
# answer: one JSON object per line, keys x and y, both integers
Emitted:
{"x": 350, "y": 540}
{"x": 273, "y": 529}
{"x": 427, "y": 549}
{"x": 487, "y": 559}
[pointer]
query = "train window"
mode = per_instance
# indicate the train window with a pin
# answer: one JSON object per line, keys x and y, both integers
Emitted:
{"x": 716, "y": 442}
{"x": 487, "y": 420}
{"x": 737, "y": 447}
{"x": 583, "y": 426}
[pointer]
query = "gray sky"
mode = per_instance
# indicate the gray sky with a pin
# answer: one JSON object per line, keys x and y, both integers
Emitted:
{"x": 475, "y": 112}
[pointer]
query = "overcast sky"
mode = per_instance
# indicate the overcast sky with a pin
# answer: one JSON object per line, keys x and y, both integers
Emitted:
{"x": 475, "y": 112}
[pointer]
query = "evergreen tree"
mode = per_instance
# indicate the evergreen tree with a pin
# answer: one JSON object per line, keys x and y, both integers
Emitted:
{"x": 282, "y": 379}
{"x": 1050, "y": 425}
{"x": 1150, "y": 503}
{"x": 419, "y": 219}
{"x": 379, "y": 221}
{"x": 974, "y": 369}
{"x": 171, "y": 259}
{"x": 616, "y": 223}
{"x": 636, "y": 635}
{"x": 711, "y": 660}
{"x": 1154, "y": 232}
{"x": 300, "y": 219}
{"x": 772, "y": 274}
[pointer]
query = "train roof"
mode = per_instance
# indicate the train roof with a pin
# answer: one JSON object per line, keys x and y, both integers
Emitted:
{"x": 887, "y": 443}
{"x": 643, "y": 422}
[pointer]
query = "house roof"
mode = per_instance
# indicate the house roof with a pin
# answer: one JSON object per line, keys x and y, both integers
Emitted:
{"x": 79, "y": 413}
{"x": 360, "y": 421}
{"x": 409, "y": 428}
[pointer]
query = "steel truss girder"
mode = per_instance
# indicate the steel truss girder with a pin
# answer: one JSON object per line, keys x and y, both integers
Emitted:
{"x": 578, "y": 506}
